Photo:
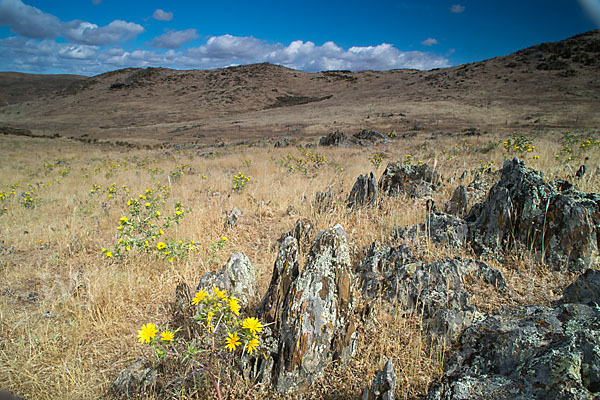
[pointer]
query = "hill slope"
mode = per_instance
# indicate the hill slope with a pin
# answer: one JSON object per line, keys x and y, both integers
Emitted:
{"x": 551, "y": 85}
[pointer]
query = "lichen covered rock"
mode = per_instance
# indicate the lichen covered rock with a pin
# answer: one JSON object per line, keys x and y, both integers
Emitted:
{"x": 364, "y": 192}
{"x": 523, "y": 211}
{"x": 316, "y": 326}
{"x": 441, "y": 229}
{"x": 413, "y": 180}
{"x": 238, "y": 277}
{"x": 384, "y": 384}
{"x": 526, "y": 353}
{"x": 137, "y": 379}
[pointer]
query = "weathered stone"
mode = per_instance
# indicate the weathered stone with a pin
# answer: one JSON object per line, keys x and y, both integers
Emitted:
{"x": 585, "y": 290}
{"x": 317, "y": 326}
{"x": 6, "y": 395}
{"x": 135, "y": 380}
{"x": 232, "y": 218}
{"x": 414, "y": 180}
{"x": 523, "y": 212}
{"x": 238, "y": 277}
{"x": 283, "y": 142}
{"x": 364, "y": 192}
{"x": 458, "y": 204}
{"x": 303, "y": 232}
{"x": 526, "y": 353}
{"x": 486, "y": 273}
{"x": 436, "y": 289}
{"x": 333, "y": 139}
{"x": 285, "y": 271}
{"x": 372, "y": 136}
{"x": 384, "y": 384}
{"x": 439, "y": 228}
{"x": 324, "y": 202}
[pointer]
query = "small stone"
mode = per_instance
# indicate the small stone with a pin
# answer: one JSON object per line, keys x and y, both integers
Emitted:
{"x": 238, "y": 277}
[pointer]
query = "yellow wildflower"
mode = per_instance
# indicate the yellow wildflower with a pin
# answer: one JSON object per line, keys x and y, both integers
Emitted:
{"x": 252, "y": 324}
{"x": 167, "y": 336}
{"x": 252, "y": 345}
{"x": 161, "y": 245}
{"x": 147, "y": 333}
{"x": 234, "y": 306}
{"x": 232, "y": 341}
{"x": 199, "y": 297}
{"x": 219, "y": 293}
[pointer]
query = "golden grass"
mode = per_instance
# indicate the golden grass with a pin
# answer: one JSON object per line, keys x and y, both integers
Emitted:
{"x": 68, "y": 315}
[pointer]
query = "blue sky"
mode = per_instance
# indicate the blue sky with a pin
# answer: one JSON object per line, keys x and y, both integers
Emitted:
{"x": 94, "y": 36}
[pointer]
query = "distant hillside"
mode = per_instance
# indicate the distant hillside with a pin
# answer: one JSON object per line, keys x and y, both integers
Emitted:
{"x": 16, "y": 87}
{"x": 551, "y": 85}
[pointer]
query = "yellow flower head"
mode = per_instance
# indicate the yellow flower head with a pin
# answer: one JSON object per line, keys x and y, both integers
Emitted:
{"x": 219, "y": 293}
{"x": 108, "y": 254}
{"x": 252, "y": 345}
{"x": 167, "y": 336}
{"x": 161, "y": 245}
{"x": 210, "y": 316}
{"x": 199, "y": 297}
{"x": 253, "y": 325}
{"x": 223, "y": 238}
{"x": 232, "y": 341}
{"x": 147, "y": 333}
{"x": 234, "y": 306}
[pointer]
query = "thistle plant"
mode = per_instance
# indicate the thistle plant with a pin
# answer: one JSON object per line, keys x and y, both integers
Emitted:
{"x": 221, "y": 335}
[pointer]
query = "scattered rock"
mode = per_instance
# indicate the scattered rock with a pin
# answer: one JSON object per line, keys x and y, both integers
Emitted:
{"x": 316, "y": 326}
{"x": 284, "y": 142}
{"x": 524, "y": 212}
{"x": 324, "y": 202}
{"x": 238, "y": 277}
{"x": 303, "y": 232}
{"x": 136, "y": 380}
{"x": 414, "y": 180}
{"x": 585, "y": 290}
{"x": 336, "y": 138}
{"x": 372, "y": 136}
{"x": 435, "y": 289}
{"x": 384, "y": 384}
{"x": 232, "y": 218}
{"x": 364, "y": 192}
{"x": 529, "y": 352}
{"x": 458, "y": 204}
{"x": 439, "y": 228}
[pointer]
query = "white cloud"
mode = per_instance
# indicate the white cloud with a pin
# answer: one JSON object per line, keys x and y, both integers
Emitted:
{"x": 457, "y": 8}
{"x": 161, "y": 15}
{"x": 174, "y": 39}
{"x": 429, "y": 42}
{"x": 90, "y": 34}
{"x": 28, "y": 21}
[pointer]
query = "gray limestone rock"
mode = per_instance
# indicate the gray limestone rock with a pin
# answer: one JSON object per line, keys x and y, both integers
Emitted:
{"x": 439, "y": 228}
{"x": 303, "y": 232}
{"x": 523, "y": 212}
{"x": 529, "y": 352}
{"x": 238, "y": 277}
{"x": 317, "y": 325}
{"x": 384, "y": 384}
{"x": 364, "y": 192}
{"x": 414, "y": 180}
{"x": 333, "y": 139}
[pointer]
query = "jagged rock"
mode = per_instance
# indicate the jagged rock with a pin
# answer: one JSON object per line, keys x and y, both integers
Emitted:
{"x": 316, "y": 326}
{"x": 435, "y": 289}
{"x": 439, "y": 228}
{"x": 324, "y": 201}
{"x": 384, "y": 384}
{"x": 333, "y": 139}
{"x": 523, "y": 212}
{"x": 458, "y": 204}
{"x": 135, "y": 380}
{"x": 364, "y": 191}
{"x": 372, "y": 136}
{"x": 414, "y": 180}
{"x": 238, "y": 277}
{"x": 284, "y": 142}
{"x": 585, "y": 290}
{"x": 285, "y": 271}
{"x": 486, "y": 273}
{"x": 303, "y": 232}
{"x": 526, "y": 353}
{"x": 232, "y": 218}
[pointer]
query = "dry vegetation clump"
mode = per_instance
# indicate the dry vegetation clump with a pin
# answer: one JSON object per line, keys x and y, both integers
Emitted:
{"x": 69, "y": 313}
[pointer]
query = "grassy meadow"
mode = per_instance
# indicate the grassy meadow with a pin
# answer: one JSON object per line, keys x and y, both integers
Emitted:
{"x": 69, "y": 313}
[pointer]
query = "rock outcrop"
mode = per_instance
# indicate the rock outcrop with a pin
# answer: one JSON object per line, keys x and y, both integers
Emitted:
{"x": 364, "y": 192}
{"x": 316, "y": 324}
{"x": 383, "y": 386}
{"x": 523, "y": 211}
{"x": 333, "y": 139}
{"x": 529, "y": 352}
{"x": 585, "y": 290}
{"x": 459, "y": 203}
{"x": 414, "y": 180}
{"x": 324, "y": 202}
{"x": 238, "y": 277}
{"x": 303, "y": 232}
{"x": 439, "y": 228}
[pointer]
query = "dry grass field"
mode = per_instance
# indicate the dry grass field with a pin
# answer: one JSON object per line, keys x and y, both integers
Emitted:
{"x": 69, "y": 315}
